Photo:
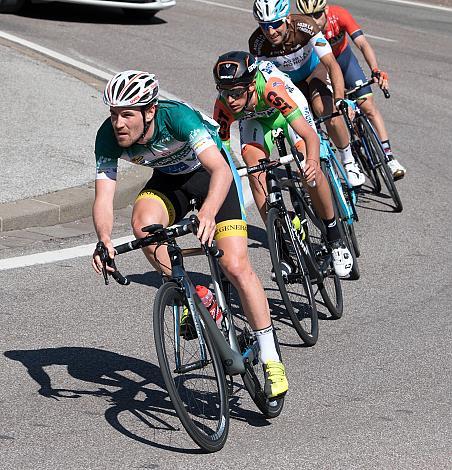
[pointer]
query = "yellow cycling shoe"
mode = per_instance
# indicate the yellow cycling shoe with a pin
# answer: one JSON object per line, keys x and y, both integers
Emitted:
{"x": 296, "y": 222}
{"x": 187, "y": 327}
{"x": 276, "y": 383}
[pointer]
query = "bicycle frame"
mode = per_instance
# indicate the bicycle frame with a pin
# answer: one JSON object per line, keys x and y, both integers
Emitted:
{"x": 338, "y": 179}
{"x": 232, "y": 359}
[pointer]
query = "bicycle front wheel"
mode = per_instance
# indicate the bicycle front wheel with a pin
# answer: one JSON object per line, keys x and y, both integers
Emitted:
{"x": 295, "y": 287}
{"x": 192, "y": 371}
{"x": 374, "y": 145}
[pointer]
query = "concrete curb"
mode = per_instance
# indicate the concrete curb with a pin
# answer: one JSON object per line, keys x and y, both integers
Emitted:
{"x": 73, "y": 203}
{"x": 68, "y": 204}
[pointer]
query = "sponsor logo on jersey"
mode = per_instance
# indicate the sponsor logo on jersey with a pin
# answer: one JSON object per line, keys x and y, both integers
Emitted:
{"x": 321, "y": 42}
{"x": 277, "y": 101}
{"x": 305, "y": 27}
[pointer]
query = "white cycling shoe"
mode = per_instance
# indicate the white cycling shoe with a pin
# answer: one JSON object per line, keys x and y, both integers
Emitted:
{"x": 397, "y": 170}
{"x": 342, "y": 258}
{"x": 354, "y": 174}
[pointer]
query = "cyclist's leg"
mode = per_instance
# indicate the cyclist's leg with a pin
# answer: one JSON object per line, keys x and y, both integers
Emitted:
{"x": 321, "y": 96}
{"x": 231, "y": 237}
{"x": 256, "y": 143}
{"x": 320, "y": 192}
{"x": 354, "y": 75}
{"x": 159, "y": 202}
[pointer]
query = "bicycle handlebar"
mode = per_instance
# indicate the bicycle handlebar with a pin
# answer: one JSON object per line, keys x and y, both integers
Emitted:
{"x": 367, "y": 83}
{"x": 264, "y": 165}
{"x": 157, "y": 234}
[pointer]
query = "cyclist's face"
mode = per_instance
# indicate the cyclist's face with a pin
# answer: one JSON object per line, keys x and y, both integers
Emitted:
{"x": 235, "y": 97}
{"x": 320, "y": 18}
{"x": 127, "y": 125}
{"x": 275, "y": 32}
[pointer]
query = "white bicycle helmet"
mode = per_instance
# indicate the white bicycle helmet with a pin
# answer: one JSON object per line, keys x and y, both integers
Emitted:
{"x": 131, "y": 88}
{"x": 270, "y": 10}
{"x": 307, "y": 7}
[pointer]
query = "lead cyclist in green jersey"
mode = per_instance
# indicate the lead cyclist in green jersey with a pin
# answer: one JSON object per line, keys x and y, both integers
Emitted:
{"x": 183, "y": 147}
{"x": 264, "y": 99}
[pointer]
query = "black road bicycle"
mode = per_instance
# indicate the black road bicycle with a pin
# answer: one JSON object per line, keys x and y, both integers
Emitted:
{"x": 196, "y": 356}
{"x": 369, "y": 152}
{"x": 297, "y": 262}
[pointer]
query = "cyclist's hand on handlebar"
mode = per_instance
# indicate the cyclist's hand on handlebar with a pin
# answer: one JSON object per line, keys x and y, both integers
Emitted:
{"x": 381, "y": 78}
{"x": 310, "y": 170}
{"x": 206, "y": 227}
{"x": 345, "y": 106}
{"x": 97, "y": 261}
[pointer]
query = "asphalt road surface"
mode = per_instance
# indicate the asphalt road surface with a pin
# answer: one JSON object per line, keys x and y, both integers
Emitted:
{"x": 78, "y": 370}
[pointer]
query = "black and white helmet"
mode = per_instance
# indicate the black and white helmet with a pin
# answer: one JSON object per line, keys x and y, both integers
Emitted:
{"x": 131, "y": 88}
{"x": 235, "y": 68}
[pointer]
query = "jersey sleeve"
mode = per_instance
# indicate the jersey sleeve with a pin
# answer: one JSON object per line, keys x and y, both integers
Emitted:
{"x": 107, "y": 152}
{"x": 276, "y": 96}
{"x": 348, "y": 23}
{"x": 187, "y": 126}
{"x": 320, "y": 45}
{"x": 225, "y": 118}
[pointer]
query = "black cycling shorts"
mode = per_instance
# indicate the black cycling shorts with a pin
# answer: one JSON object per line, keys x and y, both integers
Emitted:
{"x": 177, "y": 192}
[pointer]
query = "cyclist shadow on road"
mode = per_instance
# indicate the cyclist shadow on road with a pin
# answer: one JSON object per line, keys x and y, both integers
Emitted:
{"x": 133, "y": 388}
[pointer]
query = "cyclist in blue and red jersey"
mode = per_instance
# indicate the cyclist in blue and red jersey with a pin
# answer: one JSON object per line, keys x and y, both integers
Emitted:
{"x": 337, "y": 23}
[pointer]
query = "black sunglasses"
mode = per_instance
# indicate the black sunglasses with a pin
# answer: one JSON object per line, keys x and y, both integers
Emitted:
{"x": 266, "y": 25}
{"x": 234, "y": 93}
{"x": 316, "y": 15}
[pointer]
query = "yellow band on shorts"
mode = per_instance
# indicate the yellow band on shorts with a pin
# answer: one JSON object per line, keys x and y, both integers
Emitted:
{"x": 231, "y": 228}
{"x": 152, "y": 194}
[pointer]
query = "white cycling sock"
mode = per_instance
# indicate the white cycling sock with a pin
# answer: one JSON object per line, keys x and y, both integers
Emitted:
{"x": 267, "y": 345}
{"x": 346, "y": 155}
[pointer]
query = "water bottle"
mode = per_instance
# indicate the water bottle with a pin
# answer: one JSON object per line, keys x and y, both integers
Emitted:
{"x": 208, "y": 300}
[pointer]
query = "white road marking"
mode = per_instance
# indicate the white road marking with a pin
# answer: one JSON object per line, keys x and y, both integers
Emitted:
{"x": 418, "y": 4}
{"x": 251, "y": 11}
{"x": 54, "y": 256}
{"x": 246, "y": 10}
{"x": 380, "y": 38}
{"x": 82, "y": 250}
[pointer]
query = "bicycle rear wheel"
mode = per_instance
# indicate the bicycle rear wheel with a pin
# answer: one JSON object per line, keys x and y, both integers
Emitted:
{"x": 195, "y": 382}
{"x": 295, "y": 288}
{"x": 253, "y": 378}
{"x": 330, "y": 287}
{"x": 367, "y": 167}
{"x": 374, "y": 145}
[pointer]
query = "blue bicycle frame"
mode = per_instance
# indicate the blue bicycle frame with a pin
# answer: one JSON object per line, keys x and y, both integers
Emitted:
{"x": 338, "y": 179}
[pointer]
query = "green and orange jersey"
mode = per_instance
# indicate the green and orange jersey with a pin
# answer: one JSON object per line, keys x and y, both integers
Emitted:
{"x": 274, "y": 99}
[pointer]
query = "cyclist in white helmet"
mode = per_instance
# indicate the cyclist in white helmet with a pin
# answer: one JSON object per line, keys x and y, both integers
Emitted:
{"x": 189, "y": 161}
{"x": 295, "y": 44}
{"x": 336, "y": 23}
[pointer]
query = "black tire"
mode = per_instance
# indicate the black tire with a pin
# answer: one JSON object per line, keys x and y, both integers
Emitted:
{"x": 343, "y": 227}
{"x": 354, "y": 240}
{"x": 199, "y": 396}
{"x": 253, "y": 378}
{"x": 11, "y": 6}
{"x": 367, "y": 167}
{"x": 139, "y": 15}
{"x": 296, "y": 290}
{"x": 374, "y": 144}
{"x": 330, "y": 288}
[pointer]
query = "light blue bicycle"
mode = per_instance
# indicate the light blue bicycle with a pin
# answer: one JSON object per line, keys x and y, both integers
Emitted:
{"x": 344, "y": 195}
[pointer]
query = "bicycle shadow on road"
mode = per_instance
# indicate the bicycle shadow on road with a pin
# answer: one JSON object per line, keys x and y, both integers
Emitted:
{"x": 368, "y": 200}
{"x": 132, "y": 388}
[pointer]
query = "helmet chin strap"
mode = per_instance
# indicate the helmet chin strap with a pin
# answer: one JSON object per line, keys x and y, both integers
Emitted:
{"x": 145, "y": 124}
